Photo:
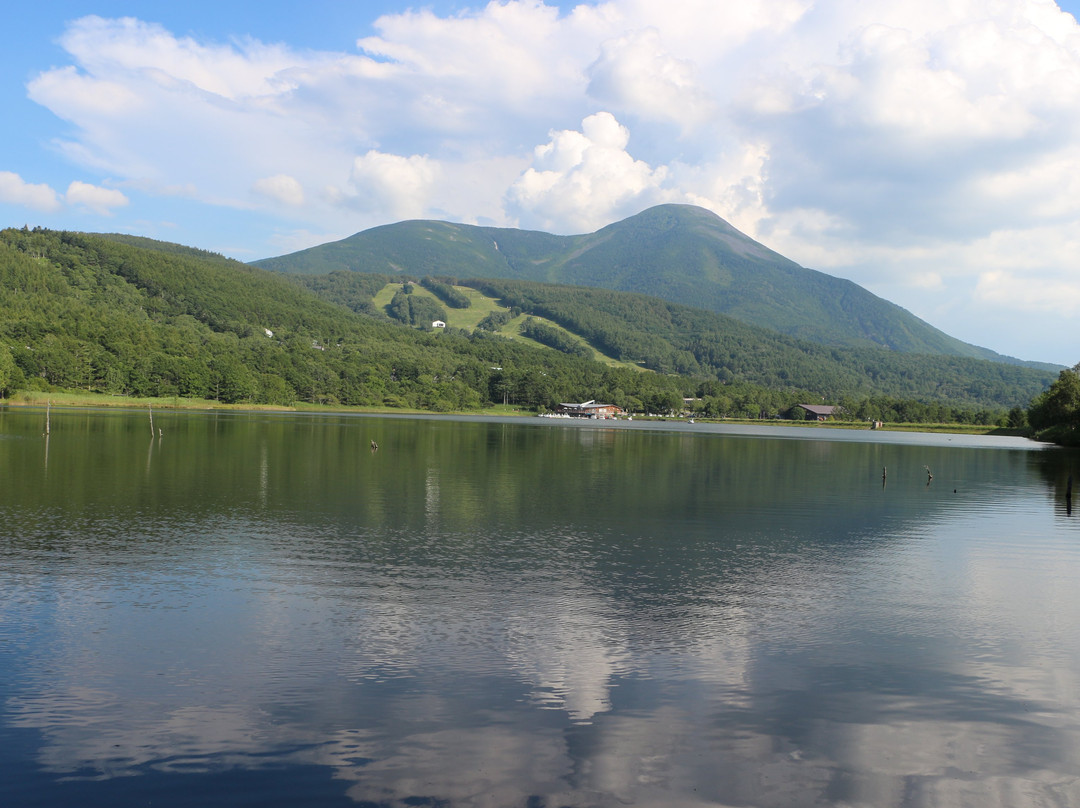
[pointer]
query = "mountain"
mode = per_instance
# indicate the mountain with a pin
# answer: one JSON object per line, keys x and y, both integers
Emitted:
{"x": 122, "y": 315}
{"x": 680, "y": 253}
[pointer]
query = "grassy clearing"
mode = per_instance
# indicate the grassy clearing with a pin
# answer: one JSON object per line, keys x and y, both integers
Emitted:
{"x": 469, "y": 318}
{"x": 385, "y": 295}
{"x": 31, "y": 398}
{"x": 481, "y": 307}
{"x": 455, "y": 318}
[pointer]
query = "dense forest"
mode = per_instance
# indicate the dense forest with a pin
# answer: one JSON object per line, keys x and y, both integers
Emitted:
{"x": 127, "y": 316}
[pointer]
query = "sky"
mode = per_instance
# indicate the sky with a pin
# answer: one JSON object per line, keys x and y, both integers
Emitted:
{"x": 926, "y": 149}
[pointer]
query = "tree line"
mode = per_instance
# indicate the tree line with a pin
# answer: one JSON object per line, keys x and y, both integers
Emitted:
{"x": 445, "y": 291}
{"x": 554, "y": 338}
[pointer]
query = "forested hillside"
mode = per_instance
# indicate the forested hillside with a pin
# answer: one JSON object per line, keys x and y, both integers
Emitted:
{"x": 87, "y": 312}
{"x": 673, "y": 339}
{"x": 670, "y": 338}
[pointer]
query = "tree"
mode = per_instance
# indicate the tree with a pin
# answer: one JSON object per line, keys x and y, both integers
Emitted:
{"x": 1017, "y": 418}
{"x": 274, "y": 390}
{"x": 233, "y": 382}
{"x": 1058, "y": 406}
{"x": 8, "y": 371}
{"x": 446, "y": 293}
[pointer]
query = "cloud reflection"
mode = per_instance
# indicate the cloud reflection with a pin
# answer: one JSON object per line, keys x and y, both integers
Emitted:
{"x": 917, "y": 662}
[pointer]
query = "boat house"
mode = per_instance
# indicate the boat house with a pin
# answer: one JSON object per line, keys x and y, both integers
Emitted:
{"x": 588, "y": 409}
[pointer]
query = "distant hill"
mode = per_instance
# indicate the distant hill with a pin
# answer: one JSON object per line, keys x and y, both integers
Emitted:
{"x": 679, "y": 253}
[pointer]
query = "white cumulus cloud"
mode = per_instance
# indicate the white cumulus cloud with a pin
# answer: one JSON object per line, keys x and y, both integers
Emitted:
{"x": 15, "y": 191}
{"x": 128, "y": 45}
{"x": 585, "y": 179}
{"x": 637, "y": 73}
{"x": 395, "y": 186}
{"x": 280, "y": 187}
{"x": 863, "y": 138}
{"x": 94, "y": 198}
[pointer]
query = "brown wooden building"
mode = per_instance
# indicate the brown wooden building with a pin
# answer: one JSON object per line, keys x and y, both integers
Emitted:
{"x": 589, "y": 409}
{"x": 820, "y": 412}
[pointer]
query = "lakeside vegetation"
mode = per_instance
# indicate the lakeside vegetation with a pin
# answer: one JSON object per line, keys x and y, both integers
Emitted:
{"x": 77, "y": 400}
{"x": 1055, "y": 414}
{"x": 637, "y": 331}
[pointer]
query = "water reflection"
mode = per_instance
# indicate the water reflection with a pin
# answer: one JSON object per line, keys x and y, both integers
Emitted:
{"x": 484, "y": 614}
{"x": 1058, "y": 469}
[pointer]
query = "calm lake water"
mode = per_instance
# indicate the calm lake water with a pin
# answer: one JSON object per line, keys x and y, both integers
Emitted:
{"x": 255, "y": 609}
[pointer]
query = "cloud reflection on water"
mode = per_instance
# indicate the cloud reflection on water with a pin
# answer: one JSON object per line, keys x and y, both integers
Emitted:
{"x": 763, "y": 707}
{"x": 913, "y": 656}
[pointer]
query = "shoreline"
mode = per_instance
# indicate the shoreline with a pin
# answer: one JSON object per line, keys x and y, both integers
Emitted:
{"x": 30, "y": 399}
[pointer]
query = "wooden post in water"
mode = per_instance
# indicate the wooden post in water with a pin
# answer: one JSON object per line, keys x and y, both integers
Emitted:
{"x": 48, "y": 408}
{"x": 150, "y": 409}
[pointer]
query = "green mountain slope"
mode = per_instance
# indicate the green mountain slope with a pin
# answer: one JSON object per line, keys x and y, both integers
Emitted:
{"x": 101, "y": 314}
{"x": 671, "y": 338}
{"x": 679, "y": 253}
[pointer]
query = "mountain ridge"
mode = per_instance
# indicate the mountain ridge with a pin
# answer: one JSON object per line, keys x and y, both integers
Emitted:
{"x": 680, "y": 253}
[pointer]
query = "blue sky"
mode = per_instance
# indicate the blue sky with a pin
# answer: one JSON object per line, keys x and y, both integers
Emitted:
{"x": 927, "y": 151}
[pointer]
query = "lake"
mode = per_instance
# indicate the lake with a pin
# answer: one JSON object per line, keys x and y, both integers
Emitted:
{"x": 251, "y": 609}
